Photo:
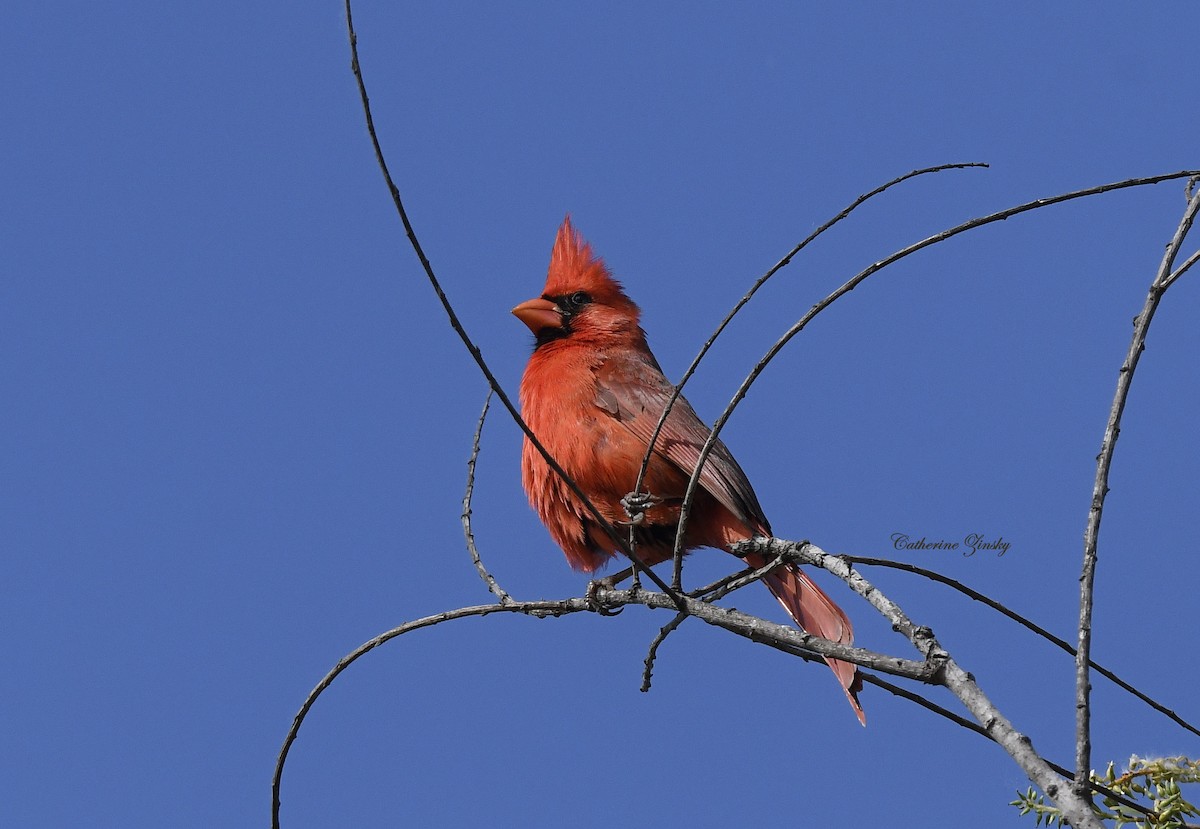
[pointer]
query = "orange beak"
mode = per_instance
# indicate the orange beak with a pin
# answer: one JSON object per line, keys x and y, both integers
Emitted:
{"x": 538, "y": 314}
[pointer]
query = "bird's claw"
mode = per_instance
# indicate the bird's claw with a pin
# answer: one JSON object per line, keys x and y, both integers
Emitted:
{"x": 595, "y": 602}
{"x": 635, "y": 505}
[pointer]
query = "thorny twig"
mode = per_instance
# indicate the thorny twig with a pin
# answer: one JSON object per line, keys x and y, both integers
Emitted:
{"x": 1141, "y": 325}
{"x": 652, "y": 654}
{"x": 499, "y": 592}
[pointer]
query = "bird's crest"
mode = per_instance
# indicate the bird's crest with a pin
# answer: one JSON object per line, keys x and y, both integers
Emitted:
{"x": 573, "y": 267}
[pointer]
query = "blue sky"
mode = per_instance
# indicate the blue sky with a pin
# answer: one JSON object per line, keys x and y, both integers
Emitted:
{"x": 236, "y": 421}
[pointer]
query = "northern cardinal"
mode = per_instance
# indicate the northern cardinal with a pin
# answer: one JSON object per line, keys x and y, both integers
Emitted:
{"x": 593, "y": 393}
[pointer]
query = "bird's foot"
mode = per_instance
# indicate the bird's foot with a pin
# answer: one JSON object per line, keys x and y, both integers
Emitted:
{"x": 594, "y": 596}
{"x": 635, "y": 505}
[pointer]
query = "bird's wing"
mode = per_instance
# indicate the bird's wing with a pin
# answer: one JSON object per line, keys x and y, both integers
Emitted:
{"x": 634, "y": 391}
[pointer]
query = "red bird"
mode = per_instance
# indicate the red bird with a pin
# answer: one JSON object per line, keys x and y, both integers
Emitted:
{"x": 593, "y": 393}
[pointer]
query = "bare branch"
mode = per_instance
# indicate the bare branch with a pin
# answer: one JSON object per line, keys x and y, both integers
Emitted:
{"x": 738, "y": 581}
{"x": 929, "y": 705}
{"x": 1182, "y": 269}
{"x": 1076, "y": 807}
{"x": 538, "y": 609}
{"x": 468, "y": 534}
{"x": 933, "y": 575}
{"x": 1141, "y": 326}
{"x": 652, "y": 654}
{"x": 780, "y": 637}
{"x": 719, "y": 583}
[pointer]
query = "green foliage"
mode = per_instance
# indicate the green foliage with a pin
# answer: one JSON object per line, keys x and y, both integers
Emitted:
{"x": 1152, "y": 783}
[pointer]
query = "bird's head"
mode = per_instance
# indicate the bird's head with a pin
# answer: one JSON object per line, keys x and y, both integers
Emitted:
{"x": 581, "y": 300}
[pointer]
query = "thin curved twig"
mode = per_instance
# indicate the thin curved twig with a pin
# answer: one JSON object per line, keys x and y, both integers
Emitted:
{"x": 719, "y": 584}
{"x": 928, "y": 704}
{"x": 492, "y": 585}
{"x": 476, "y": 354}
{"x": 652, "y": 654}
{"x": 740, "y": 580}
{"x": 1141, "y": 326}
{"x": 933, "y": 575}
{"x": 538, "y": 609}
{"x": 858, "y": 279}
{"x": 1182, "y": 269}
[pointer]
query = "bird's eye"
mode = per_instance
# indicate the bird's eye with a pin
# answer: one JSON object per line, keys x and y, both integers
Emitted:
{"x": 579, "y": 298}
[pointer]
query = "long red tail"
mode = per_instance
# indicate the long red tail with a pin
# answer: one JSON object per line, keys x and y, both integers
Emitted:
{"x": 815, "y": 613}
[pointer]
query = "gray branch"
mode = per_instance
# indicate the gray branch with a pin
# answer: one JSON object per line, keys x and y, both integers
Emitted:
{"x": 1076, "y": 808}
{"x": 1141, "y": 326}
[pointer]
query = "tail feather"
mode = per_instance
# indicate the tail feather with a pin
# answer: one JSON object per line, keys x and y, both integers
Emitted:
{"x": 816, "y": 613}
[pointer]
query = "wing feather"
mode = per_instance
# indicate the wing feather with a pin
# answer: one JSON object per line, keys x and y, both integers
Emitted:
{"x": 640, "y": 390}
